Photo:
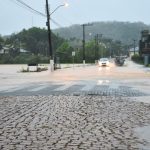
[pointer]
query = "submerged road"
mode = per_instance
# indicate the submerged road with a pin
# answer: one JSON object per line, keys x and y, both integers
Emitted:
{"x": 88, "y": 108}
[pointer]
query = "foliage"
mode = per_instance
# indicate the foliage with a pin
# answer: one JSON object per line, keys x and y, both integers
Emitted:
{"x": 6, "y": 59}
{"x": 1, "y": 40}
{"x": 34, "y": 40}
{"x": 23, "y": 59}
{"x": 122, "y": 31}
{"x": 1, "y": 46}
{"x": 64, "y": 52}
{"x": 138, "y": 59}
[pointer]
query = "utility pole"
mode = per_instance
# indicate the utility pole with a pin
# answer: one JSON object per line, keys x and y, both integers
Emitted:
{"x": 83, "y": 41}
{"x": 49, "y": 38}
{"x": 110, "y": 49}
{"x": 96, "y": 48}
{"x": 134, "y": 46}
{"x": 97, "y": 40}
{"x": 83, "y": 44}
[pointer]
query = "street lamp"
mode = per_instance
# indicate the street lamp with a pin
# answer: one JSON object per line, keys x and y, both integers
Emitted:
{"x": 83, "y": 41}
{"x": 63, "y": 5}
{"x": 49, "y": 32}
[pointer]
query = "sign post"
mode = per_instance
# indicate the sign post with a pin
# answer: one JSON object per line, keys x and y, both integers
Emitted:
{"x": 73, "y": 54}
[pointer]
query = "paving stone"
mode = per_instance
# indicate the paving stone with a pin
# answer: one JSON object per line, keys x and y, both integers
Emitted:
{"x": 72, "y": 122}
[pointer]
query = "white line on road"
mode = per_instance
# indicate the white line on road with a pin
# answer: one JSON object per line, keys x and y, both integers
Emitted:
{"x": 114, "y": 86}
{"x": 62, "y": 88}
{"x": 102, "y": 82}
{"x": 38, "y": 88}
{"x": 14, "y": 89}
{"x": 88, "y": 87}
{"x": 6, "y": 88}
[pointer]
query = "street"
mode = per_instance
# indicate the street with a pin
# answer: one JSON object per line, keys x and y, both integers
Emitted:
{"x": 129, "y": 80}
{"x": 90, "y": 107}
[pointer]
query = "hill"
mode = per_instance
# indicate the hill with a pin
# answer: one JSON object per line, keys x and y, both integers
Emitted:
{"x": 122, "y": 31}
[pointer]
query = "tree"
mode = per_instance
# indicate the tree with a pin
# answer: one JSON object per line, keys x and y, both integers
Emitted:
{"x": 34, "y": 40}
{"x": 1, "y": 42}
{"x": 1, "y": 39}
{"x": 65, "y": 52}
{"x": 90, "y": 51}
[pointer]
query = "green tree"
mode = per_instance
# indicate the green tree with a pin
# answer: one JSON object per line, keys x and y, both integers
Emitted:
{"x": 65, "y": 52}
{"x": 1, "y": 39}
{"x": 1, "y": 42}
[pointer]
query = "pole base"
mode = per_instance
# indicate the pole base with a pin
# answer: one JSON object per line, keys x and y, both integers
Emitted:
{"x": 84, "y": 63}
{"x": 51, "y": 65}
{"x": 96, "y": 62}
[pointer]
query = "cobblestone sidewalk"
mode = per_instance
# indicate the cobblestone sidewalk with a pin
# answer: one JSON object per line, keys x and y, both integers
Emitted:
{"x": 71, "y": 123}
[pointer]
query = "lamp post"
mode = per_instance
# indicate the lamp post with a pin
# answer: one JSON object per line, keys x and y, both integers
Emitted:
{"x": 50, "y": 33}
{"x": 83, "y": 41}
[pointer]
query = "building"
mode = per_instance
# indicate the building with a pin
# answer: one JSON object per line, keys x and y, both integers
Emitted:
{"x": 23, "y": 51}
{"x": 8, "y": 50}
{"x": 4, "y": 50}
{"x": 144, "y": 43}
{"x": 133, "y": 51}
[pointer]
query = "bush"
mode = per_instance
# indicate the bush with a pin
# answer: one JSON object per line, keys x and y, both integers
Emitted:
{"x": 6, "y": 59}
{"x": 138, "y": 59}
{"x": 23, "y": 59}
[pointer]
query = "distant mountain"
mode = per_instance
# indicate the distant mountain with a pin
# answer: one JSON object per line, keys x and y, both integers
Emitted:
{"x": 122, "y": 31}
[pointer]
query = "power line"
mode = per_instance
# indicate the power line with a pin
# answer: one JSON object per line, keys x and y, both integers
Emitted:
{"x": 18, "y": 4}
{"x": 57, "y": 24}
{"x": 26, "y": 6}
{"x": 30, "y": 8}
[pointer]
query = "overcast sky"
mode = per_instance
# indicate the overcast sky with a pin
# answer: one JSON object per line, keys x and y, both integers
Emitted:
{"x": 13, "y": 18}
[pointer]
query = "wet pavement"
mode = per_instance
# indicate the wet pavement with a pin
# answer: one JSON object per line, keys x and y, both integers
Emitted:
{"x": 101, "y": 88}
{"x": 144, "y": 133}
{"x": 72, "y": 122}
{"x": 95, "y": 108}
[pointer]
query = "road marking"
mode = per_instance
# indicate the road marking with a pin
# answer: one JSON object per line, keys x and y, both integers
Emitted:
{"x": 114, "y": 86}
{"x": 64, "y": 87}
{"x": 38, "y": 88}
{"x": 88, "y": 87}
{"x": 101, "y": 82}
{"x": 6, "y": 88}
{"x": 14, "y": 89}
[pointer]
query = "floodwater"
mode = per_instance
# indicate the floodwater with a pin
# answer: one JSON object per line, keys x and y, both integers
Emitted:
{"x": 130, "y": 74}
{"x": 144, "y": 133}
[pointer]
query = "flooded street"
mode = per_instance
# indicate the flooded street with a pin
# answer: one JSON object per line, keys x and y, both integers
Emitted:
{"x": 130, "y": 74}
{"x": 86, "y": 107}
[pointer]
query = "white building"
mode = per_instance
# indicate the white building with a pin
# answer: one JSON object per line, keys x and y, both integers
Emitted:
{"x": 132, "y": 51}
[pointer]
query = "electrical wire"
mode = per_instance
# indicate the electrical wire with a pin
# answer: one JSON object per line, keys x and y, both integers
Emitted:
{"x": 26, "y": 6}
{"x": 57, "y": 24}
{"x": 30, "y": 8}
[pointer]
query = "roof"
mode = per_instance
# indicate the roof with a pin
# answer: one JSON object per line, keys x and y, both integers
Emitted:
{"x": 23, "y": 51}
{"x": 132, "y": 49}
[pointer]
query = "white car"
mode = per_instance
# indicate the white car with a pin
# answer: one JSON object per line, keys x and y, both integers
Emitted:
{"x": 103, "y": 62}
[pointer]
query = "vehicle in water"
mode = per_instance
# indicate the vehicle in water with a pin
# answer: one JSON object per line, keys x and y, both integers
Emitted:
{"x": 103, "y": 62}
{"x": 119, "y": 60}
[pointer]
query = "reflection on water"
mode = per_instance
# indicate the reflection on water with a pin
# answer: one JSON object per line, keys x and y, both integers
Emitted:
{"x": 104, "y": 68}
{"x": 100, "y": 82}
{"x": 144, "y": 133}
